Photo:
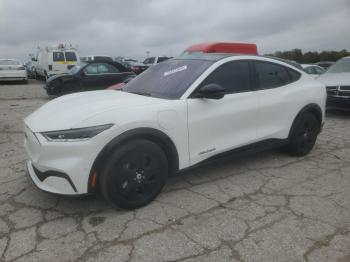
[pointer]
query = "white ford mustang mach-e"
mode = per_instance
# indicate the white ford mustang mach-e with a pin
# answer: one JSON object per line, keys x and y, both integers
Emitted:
{"x": 174, "y": 115}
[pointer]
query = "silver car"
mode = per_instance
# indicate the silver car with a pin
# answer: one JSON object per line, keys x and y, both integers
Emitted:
{"x": 12, "y": 70}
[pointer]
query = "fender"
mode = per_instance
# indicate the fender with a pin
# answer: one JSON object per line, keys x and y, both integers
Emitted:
{"x": 151, "y": 134}
{"x": 313, "y": 108}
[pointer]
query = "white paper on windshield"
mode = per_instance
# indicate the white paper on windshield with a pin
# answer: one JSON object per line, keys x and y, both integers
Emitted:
{"x": 173, "y": 71}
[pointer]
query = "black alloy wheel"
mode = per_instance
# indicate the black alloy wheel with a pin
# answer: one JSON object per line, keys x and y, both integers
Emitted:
{"x": 134, "y": 174}
{"x": 304, "y": 134}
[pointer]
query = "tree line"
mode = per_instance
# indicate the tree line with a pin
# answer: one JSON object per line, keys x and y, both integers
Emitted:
{"x": 311, "y": 56}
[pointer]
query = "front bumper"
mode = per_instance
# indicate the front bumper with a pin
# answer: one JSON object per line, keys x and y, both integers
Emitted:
{"x": 51, "y": 181}
{"x": 61, "y": 167}
{"x": 338, "y": 102}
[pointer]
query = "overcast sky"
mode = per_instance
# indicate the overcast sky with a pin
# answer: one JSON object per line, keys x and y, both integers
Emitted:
{"x": 163, "y": 27}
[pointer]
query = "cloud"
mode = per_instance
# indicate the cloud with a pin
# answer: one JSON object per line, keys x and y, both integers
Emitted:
{"x": 130, "y": 28}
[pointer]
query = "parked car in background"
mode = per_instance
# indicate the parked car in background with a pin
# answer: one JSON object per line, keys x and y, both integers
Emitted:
{"x": 325, "y": 64}
{"x": 55, "y": 60}
{"x": 135, "y": 66}
{"x": 12, "y": 70}
{"x": 337, "y": 81}
{"x": 313, "y": 70}
{"x": 175, "y": 115}
{"x": 155, "y": 60}
{"x": 101, "y": 58}
{"x": 31, "y": 71}
{"x": 87, "y": 76}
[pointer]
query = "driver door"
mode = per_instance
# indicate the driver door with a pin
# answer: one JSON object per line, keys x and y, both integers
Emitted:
{"x": 219, "y": 125}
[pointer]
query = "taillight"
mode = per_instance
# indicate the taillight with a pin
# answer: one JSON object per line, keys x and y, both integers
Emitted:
{"x": 20, "y": 68}
{"x": 50, "y": 67}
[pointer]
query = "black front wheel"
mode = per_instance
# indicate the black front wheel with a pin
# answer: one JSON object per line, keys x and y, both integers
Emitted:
{"x": 303, "y": 134}
{"x": 134, "y": 174}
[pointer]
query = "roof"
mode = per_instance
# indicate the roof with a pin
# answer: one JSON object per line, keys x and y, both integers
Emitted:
{"x": 224, "y": 47}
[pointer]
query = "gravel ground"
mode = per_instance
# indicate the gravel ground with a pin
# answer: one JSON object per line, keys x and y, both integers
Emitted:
{"x": 262, "y": 207}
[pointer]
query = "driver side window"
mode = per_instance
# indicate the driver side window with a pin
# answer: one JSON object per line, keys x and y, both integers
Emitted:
{"x": 233, "y": 76}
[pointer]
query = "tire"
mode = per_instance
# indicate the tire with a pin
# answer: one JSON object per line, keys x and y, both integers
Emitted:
{"x": 134, "y": 174}
{"x": 25, "y": 81}
{"x": 303, "y": 134}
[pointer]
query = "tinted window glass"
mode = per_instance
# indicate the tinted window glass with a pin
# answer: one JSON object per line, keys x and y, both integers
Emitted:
{"x": 70, "y": 56}
{"x": 169, "y": 79}
{"x": 293, "y": 75}
{"x": 9, "y": 62}
{"x": 271, "y": 75}
{"x": 149, "y": 60}
{"x": 106, "y": 69}
{"x": 91, "y": 69}
{"x": 233, "y": 76}
{"x": 58, "y": 56}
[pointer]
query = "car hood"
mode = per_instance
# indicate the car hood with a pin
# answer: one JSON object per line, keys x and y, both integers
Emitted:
{"x": 335, "y": 79}
{"x": 68, "y": 111}
{"x": 54, "y": 77}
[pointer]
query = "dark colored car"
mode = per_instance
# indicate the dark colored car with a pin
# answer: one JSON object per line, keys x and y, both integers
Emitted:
{"x": 84, "y": 77}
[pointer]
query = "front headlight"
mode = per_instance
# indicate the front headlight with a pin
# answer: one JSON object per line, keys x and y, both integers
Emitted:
{"x": 77, "y": 134}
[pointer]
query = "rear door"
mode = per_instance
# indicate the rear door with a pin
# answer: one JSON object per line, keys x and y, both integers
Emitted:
{"x": 58, "y": 63}
{"x": 278, "y": 91}
{"x": 219, "y": 125}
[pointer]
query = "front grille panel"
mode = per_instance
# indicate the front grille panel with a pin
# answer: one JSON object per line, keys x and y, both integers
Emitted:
{"x": 338, "y": 91}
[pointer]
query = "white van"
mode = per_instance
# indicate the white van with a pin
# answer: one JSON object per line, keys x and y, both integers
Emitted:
{"x": 53, "y": 61}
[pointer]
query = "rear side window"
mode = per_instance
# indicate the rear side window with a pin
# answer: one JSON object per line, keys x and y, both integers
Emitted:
{"x": 270, "y": 75}
{"x": 58, "y": 57}
{"x": 70, "y": 56}
{"x": 233, "y": 76}
{"x": 106, "y": 69}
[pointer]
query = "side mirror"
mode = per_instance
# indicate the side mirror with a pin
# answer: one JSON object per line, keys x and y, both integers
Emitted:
{"x": 211, "y": 91}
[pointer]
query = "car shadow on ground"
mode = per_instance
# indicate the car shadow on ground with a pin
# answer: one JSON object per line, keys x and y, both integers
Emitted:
{"x": 225, "y": 166}
{"x": 338, "y": 113}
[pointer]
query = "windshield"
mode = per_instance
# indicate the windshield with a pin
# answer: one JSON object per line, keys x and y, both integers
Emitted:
{"x": 75, "y": 69}
{"x": 341, "y": 66}
{"x": 9, "y": 62}
{"x": 169, "y": 79}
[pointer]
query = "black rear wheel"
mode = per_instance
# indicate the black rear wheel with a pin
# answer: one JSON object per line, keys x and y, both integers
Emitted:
{"x": 304, "y": 134}
{"x": 134, "y": 174}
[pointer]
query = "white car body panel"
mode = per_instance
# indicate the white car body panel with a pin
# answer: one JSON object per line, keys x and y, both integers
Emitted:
{"x": 199, "y": 128}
